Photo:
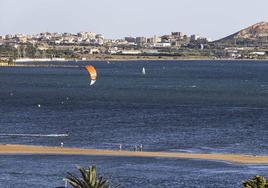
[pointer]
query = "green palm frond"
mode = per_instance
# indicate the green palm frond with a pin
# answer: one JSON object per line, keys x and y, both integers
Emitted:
{"x": 88, "y": 179}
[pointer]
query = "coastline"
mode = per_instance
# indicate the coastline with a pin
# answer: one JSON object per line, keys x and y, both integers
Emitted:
{"x": 61, "y": 63}
{"x": 12, "y": 149}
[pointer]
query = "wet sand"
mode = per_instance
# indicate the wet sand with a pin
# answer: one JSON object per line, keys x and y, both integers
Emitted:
{"x": 29, "y": 149}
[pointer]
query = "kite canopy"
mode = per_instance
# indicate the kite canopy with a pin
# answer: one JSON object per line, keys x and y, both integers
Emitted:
{"x": 92, "y": 73}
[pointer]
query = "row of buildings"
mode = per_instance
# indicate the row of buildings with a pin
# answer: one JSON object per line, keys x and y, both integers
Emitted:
{"x": 44, "y": 41}
{"x": 83, "y": 38}
{"x": 83, "y": 44}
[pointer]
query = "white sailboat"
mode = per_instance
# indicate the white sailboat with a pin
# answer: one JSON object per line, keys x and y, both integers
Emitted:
{"x": 143, "y": 71}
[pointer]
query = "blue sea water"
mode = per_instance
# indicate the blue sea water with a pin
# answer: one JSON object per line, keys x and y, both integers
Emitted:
{"x": 178, "y": 106}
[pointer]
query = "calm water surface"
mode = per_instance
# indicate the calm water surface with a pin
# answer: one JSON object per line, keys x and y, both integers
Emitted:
{"x": 189, "y": 106}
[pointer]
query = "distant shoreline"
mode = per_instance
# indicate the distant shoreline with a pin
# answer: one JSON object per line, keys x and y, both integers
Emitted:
{"x": 8, "y": 149}
{"x": 138, "y": 58}
{"x": 35, "y": 63}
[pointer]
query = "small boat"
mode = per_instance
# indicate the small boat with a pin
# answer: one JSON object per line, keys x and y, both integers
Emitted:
{"x": 143, "y": 71}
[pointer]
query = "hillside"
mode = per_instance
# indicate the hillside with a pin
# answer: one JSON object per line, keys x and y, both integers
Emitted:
{"x": 257, "y": 33}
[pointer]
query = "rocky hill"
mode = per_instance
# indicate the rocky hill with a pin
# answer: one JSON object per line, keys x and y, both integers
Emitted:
{"x": 257, "y": 33}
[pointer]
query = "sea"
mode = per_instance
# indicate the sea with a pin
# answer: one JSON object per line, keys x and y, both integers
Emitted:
{"x": 177, "y": 106}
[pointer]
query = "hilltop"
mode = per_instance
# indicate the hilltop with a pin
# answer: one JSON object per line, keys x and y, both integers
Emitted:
{"x": 255, "y": 35}
{"x": 255, "y": 31}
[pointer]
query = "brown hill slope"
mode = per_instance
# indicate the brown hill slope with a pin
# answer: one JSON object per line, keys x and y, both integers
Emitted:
{"x": 254, "y": 32}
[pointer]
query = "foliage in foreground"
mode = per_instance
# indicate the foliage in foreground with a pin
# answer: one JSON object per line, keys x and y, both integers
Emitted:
{"x": 256, "y": 182}
{"x": 88, "y": 179}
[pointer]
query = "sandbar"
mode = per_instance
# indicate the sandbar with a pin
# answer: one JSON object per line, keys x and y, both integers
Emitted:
{"x": 6, "y": 149}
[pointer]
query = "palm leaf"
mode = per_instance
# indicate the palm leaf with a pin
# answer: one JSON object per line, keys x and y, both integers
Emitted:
{"x": 88, "y": 179}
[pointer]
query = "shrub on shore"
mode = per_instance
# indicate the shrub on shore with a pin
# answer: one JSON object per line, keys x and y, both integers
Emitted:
{"x": 256, "y": 182}
{"x": 9, "y": 61}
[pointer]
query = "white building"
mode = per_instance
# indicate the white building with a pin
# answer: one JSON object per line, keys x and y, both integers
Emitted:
{"x": 162, "y": 45}
{"x": 258, "y": 53}
{"x": 86, "y": 35}
{"x": 131, "y": 52}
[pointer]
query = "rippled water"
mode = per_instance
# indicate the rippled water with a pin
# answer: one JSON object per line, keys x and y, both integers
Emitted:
{"x": 189, "y": 106}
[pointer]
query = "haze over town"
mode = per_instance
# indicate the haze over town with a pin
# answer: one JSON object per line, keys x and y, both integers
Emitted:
{"x": 120, "y": 18}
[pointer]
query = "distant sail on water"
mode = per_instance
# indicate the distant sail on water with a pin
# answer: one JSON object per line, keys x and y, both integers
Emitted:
{"x": 143, "y": 71}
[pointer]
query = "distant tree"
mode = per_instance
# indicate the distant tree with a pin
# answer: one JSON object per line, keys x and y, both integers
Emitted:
{"x": 11, "y": 61}
{"x": 88, "y": 179}
{"x": 256, "y": 182}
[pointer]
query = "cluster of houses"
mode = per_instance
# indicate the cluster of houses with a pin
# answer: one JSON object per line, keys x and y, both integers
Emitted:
{"x": 85, "y": 43}
{"x": 99, "y": 44}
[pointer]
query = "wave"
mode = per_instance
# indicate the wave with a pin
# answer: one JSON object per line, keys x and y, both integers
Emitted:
{"x": 35, "y": 135}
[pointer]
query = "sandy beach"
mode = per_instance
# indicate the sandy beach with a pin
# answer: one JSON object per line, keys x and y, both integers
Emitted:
{"x": 29, "y": 149}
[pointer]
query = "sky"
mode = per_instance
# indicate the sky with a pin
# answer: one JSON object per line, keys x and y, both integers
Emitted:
{"x": 120, "y": 18}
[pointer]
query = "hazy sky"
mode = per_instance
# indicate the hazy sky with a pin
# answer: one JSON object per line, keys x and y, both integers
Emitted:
{"x": 120, "y": 18}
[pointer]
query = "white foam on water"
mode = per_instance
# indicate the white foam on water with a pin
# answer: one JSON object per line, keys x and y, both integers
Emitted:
{"x": 36, "y": 135}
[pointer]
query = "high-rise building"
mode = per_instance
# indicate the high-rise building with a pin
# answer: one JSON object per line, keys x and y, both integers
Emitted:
{"x": 130, "y": 39}
{"x": 99, "y": 36}
{"x": 141, "y": 40}
{"x": 177, "y": 34}
{"x": 194, "y": 37}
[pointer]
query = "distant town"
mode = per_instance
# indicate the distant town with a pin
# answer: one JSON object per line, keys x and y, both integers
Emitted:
{"x": 249, "y": 43}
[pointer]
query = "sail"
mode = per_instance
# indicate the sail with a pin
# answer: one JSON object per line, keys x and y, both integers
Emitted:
{"x": 92, "y": 72}
{"x": 92, "y": 82}
{"x": 143, "y": 71}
